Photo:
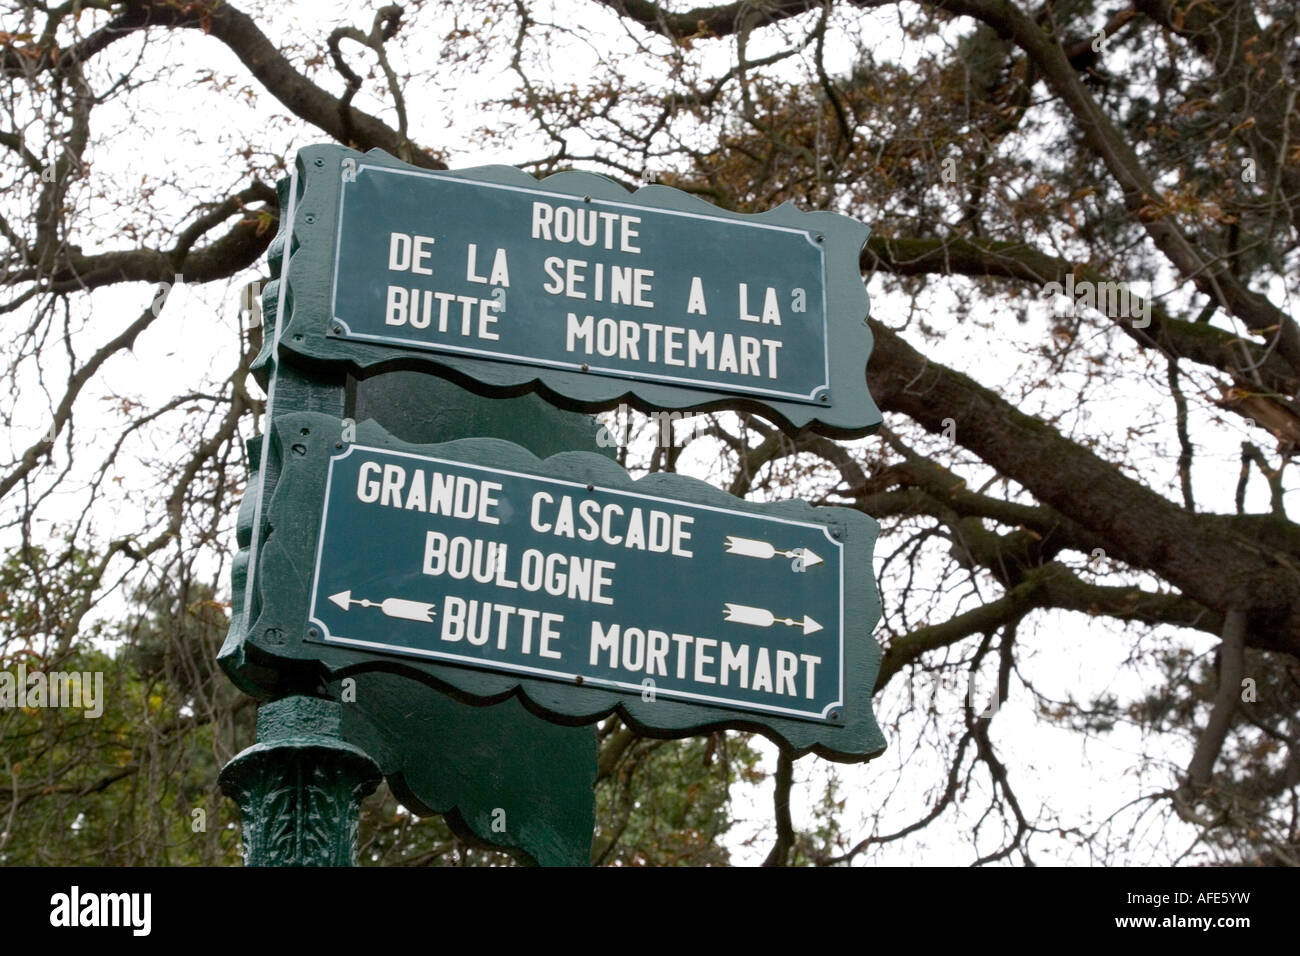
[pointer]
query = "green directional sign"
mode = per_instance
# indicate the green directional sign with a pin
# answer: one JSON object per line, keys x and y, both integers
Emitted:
{"x": 494, "y": 568}
{"x": 608, "y": 287}
{"x": 576, "y": 287}
{"x": 492, "y": 572}
{"x": 482, "y": 571}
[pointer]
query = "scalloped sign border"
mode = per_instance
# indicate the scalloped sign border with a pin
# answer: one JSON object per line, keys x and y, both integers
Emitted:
{"x": 303, "y": 446}
{"x": 343, "y": 284}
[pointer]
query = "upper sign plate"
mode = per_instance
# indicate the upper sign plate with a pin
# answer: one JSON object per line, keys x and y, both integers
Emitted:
{"x": 576, "y": 287}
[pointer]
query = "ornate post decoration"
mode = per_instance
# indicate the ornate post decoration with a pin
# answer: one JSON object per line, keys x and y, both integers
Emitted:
{"x": 299, "y": 788}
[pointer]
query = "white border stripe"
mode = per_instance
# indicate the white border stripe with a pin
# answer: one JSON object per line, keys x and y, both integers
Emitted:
{"x": 479, "y": 663}
{"x": 634, "y": 374}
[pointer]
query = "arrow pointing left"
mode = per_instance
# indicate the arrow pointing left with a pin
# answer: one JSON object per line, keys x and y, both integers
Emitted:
{"x": 392, "y": 607}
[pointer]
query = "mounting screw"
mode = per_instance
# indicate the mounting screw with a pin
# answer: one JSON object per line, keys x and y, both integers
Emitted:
{"x": 312, "y": 632}
{"x": 309, "y": 219}
{"x": 586, "y": 199}
{"x": 591, "y": 487}
{"x": 835, "y": 531}
{"x": 835, "y": 715}
{"x": 320, "y": 162}
{"x": 825, "y": 397}
{"x": 338, "y": 444}
{"x": 821, "y": 238}
{"x": 586, "y": 367}
{"x": 337, "y": 330}
{"x": 578, "y": 680}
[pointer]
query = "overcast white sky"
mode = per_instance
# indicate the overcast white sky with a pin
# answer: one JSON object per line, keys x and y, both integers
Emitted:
{"x": 1067, "y": 656}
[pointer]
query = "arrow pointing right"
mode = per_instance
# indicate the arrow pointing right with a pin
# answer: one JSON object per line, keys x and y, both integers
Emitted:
{"x": 756, "y": 548}
{"x": 762, "y": 617}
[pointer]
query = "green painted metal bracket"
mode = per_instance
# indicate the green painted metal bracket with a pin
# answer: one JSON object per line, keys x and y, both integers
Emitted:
{"x": 500, "y": 776}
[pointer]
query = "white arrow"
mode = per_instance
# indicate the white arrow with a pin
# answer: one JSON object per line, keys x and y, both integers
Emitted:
{"x": 754, "y": 548}
{"x": 761, "y": 617}
{"x": 393, "y": 607}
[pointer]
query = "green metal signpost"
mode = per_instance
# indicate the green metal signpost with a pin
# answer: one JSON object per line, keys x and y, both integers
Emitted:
{"x": 438, "y": 552}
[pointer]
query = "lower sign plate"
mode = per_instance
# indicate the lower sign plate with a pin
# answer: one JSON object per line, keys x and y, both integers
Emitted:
{"x": 677, "y": 604}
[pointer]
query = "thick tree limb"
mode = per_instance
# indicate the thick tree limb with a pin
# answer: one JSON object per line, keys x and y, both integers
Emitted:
{"x": 1142, "y": 197}
{"x": 1213, "y": 558}
{"x": 1254, "y": 368}
{"x": 984, "y": 619}
{"x": 303, "y": 97}
{"x": 244, "y": 38}
{"x": 714, "y": 21}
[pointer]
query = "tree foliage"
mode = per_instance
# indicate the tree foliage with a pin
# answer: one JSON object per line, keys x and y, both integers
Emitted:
{"x": 1085, "y": 509}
